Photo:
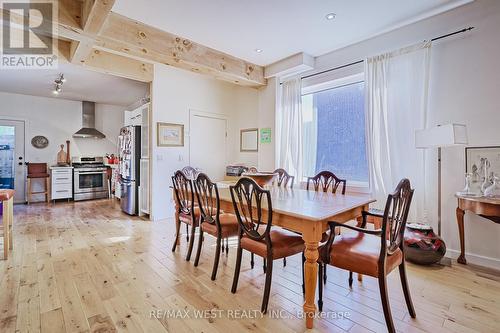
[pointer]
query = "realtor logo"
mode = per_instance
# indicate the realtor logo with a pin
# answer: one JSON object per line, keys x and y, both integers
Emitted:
{"x": 28, "y": 39}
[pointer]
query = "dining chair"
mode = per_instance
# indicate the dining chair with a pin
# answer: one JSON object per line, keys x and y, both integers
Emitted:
{"x": 38, "y": 171}
{"x": 373, "y": 252}
{"x": 252, "y": 169}
{"x": 256, "y": 234}
{"x": 325, "y": 180}
{"x": 284, "y": 179}
{"x": 187, "y": 212}
{"x": 212, "y": 220}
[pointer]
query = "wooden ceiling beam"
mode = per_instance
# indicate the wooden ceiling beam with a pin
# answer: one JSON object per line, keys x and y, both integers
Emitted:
{"x": 132, "y": 38}
{"x": 108, "y": 63}
{"x": 93, "y": 15}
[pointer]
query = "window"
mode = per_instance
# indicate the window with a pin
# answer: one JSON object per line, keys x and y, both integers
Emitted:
{"x": 334, "y": 130}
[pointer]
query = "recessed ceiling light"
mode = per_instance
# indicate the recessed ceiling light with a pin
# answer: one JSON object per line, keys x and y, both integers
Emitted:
{"x": 330, "y": 16}
{"x": 258, "y": 50}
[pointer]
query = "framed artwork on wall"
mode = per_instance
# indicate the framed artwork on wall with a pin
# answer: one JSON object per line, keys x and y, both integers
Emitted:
{"x": 482, "y": 162}
{"x": 169, "y": 135}
{"x": 249, "y": 140}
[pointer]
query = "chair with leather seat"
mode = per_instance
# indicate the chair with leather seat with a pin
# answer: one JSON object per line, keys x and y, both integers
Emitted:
{"x": 38, "y": 171}
{"x": 373, "y": 252}
{"x": 254, "y": 212}
{"x": 187, "y": 212}
{"x": 324, "y": 181}
{"x": 212, "y": 220}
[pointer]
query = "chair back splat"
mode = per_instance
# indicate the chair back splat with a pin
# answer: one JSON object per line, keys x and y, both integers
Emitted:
{"x": 395, "y": 215}
{"x": 184, "y": 193}
{"x": 325, "y": 180}
{"x": 248, "y": 198}
{"x": 208, "y": 199}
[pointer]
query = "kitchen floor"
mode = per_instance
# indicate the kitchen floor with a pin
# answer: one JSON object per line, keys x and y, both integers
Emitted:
{"x": 87, "y": 267}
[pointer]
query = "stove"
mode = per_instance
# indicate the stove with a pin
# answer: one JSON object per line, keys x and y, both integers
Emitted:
{"x": 90, "y": 178}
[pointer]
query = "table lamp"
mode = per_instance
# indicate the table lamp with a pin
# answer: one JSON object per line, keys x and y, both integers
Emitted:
{"x": 438, "y": 137}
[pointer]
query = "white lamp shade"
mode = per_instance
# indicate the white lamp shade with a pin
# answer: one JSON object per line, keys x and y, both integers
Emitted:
{"x": 441, "y": 136}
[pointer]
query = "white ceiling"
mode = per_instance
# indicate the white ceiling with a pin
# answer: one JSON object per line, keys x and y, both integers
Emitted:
{"x": 81, "y": 85}
{"x": 279, "y": 27}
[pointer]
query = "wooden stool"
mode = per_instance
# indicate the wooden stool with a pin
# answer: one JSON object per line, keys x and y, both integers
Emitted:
{"x": 7, "y": 198}
{"x": 38, "y": 171}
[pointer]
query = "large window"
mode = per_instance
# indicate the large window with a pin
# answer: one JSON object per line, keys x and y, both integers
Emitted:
{"x": 334, "y": 130}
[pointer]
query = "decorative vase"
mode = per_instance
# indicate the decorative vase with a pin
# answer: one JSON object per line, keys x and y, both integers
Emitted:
{"x": 422, "y": 246}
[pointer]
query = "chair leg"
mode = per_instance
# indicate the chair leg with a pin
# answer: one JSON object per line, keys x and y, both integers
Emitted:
{"x": 237, "y": 269}
{"x": 382, "y": 282}
{"x": 406, "y": 290}
{"x": 284, "y": 262}
{"x": 267, "y": 287}
{"x": 29, "y": 190}
{"x": 47, "y": 189}
{"x": 191, "y": 243}
{"x": 178, "y": 228}
{"x": 187, "y": 233}
{"x": 227, "y": 246}
{"x": 350, "y": 279}
{"x": 217, "y": 256}
{"x": 264, "y": 265}
{"x": 252, "y": 260}
{"x": 198, "y": 251}
{"x": 303, "y": 275}
{"x": 223, "y": 247}
{"x": 5, "y": 221}
{"x": 11, "y": 222}
{"x": 320, "y": 286}
{"x": 324, "y": 274}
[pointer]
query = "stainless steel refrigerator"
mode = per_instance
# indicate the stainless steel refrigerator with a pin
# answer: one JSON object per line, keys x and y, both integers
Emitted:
{"x": 129, "y": 150}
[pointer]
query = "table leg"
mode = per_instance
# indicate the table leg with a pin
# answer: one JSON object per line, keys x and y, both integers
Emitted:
{"x": 460, "y": 220}
{"x": 311, "y": 238}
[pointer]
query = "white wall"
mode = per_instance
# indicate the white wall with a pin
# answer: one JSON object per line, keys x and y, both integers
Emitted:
{"x": 58, "y": 119}
{"x": 465, "y": 78}
{"x": 174, "y": 93}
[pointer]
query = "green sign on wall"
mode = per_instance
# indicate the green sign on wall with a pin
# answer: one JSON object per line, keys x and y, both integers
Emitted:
{"x": 265, "y": 135}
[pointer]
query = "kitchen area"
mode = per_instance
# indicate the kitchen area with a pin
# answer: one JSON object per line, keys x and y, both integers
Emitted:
{"x": 81, "y": 139}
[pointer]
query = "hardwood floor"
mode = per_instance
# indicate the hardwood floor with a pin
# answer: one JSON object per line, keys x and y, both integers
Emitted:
{"x": 86, "y": 267}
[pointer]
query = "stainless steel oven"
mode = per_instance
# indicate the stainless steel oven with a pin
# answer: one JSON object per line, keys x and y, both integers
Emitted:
{"x": 90, "y": 181}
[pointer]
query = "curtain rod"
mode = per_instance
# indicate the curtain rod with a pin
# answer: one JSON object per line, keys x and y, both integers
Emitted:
{"x": 361, "y": 61}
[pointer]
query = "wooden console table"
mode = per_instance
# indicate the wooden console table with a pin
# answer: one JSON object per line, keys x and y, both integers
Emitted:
{"x": 486, "y": 207}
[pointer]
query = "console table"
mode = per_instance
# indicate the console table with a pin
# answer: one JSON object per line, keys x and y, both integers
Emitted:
{"x": 486, "y": 207}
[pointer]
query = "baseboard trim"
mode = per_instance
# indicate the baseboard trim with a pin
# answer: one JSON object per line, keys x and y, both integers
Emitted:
{"x": 476, "y": 259}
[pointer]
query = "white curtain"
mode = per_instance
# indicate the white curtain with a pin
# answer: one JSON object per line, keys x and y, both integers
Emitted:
{"x": 396, "y": 101}
{"x": 289, "y": 126}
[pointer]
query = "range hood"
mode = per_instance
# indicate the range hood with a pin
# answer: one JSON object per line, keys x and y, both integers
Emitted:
{"x": 88, "y": 123}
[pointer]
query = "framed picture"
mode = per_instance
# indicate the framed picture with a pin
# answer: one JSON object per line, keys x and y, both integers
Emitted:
{"x": 479, "y": 160}
{"x": 265, "y": 135}
{"x": 249, "y": 139}
{"x": 169, "y": 135}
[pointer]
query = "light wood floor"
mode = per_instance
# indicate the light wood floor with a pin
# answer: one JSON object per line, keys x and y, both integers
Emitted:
{"x": 86, "y": 267}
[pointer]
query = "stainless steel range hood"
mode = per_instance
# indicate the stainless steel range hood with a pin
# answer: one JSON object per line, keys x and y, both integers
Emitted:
{"x": 88, "y": 123}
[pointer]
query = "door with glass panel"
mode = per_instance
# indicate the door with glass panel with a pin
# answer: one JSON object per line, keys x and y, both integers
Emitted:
{"x": 12, "y": 169}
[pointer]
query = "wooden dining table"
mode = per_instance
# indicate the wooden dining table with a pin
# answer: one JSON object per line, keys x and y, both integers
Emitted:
{"x": 308, "y": 213}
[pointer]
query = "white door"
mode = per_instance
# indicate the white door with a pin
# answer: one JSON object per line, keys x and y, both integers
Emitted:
{"x": 207, "y": 145}
{"x": 12, "y": 157}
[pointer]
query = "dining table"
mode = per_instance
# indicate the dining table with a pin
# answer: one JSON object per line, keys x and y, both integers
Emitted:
{"x": 306, "y": 212}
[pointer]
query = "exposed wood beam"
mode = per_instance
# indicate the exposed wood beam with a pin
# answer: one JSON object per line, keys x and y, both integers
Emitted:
{"x": 123, "y": 35}
{"x": 93, "y": 15}
{"x": 108, "y": 63}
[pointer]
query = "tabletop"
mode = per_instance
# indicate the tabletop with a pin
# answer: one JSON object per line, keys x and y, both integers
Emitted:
{"x": 307, "y": 205}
